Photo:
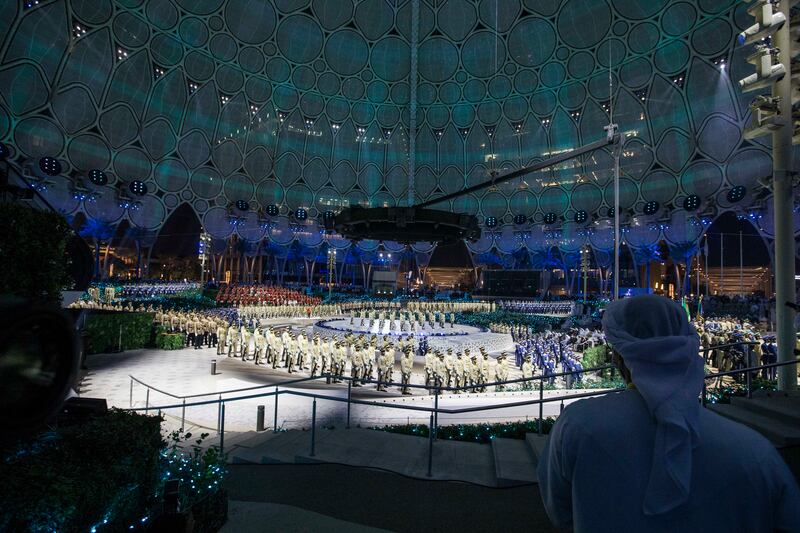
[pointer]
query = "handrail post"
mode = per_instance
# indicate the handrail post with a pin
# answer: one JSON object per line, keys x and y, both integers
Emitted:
{"x": 130, "y": 402}
{"x": 219, "y": 415}
{"x": 275, "y": 420}
{"x": 222, "y": 429}
{"x": 436, "y": 414}
{"x": 183, "y": 414}
{"x": 749, "y": 391}
{"x": 147, "y": 401}
{"x": 349, "y": 393}
{"x": 541, "y": 405}
{"x": 430, "y": 447}
{"x": 313, "y": 426}
{"x": 703, "y": 398}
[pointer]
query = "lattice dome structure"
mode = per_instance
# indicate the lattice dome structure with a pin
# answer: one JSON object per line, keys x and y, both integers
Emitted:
{"x": 305, "y": 106}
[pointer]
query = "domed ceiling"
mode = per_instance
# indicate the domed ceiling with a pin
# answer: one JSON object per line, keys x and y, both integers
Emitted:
{"x": 306, "y": 103}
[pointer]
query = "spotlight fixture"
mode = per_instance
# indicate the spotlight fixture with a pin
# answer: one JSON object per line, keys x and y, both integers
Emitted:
{"x": 3, "y": 151}
{"x": 491, "y": 222}
{"x": 736, "y": 194}
{"x": 328, "y": 215}
{"x": 610, "y": 212}
{"x": 50, "y": 166}
{"x": 98, "y": 177}
{"x": 581, "y": 216}
{"x": 138, "y": 187}
{"x": 242, "y": 205}
{"x": 300, "y": 214}
{"x": 691, "y": 202}
{"x": 651, "y": 207}
{"x": 550, "y": 218}
{"x": 520, "y": 219}
{"x": 272, "y": 210}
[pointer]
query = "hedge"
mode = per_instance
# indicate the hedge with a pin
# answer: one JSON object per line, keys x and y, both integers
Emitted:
{"x": 112, "y": 331}
{"x": 73, "y": 478}
{"x": 482, "y": 433}
{"x": 170, "y": 341}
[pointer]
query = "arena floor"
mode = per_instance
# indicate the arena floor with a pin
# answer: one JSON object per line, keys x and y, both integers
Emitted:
{"x": 188, "y": 372}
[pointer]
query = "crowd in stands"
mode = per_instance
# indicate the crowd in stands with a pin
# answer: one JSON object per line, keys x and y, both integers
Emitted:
{"x": 263, "y": 295}
{"x": 751, "y": 348}
{"x": 536, "y": 307}
{"x": 147, "y": 289}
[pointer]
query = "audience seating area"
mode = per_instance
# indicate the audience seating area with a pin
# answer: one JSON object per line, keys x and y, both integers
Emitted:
{"x": 264, "y": 294}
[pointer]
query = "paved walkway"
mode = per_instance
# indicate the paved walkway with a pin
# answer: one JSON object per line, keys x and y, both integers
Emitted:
{"x": 254, "y": 517}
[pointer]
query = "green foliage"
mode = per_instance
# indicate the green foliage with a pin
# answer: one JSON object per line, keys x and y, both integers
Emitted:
{"x": 482, "y": 433}
{"x": 606, "y": 382}
{"x": 200, "y": 471}
{"x": 71, "y": 479}
{"x": 596, "y": 356}
{"x": 170, "y": 341}
{"x": 108, "y": 331}
{"x": 536, "y": 322}
{"x": 32, "y": 258}
{"x": 723, "y": 394}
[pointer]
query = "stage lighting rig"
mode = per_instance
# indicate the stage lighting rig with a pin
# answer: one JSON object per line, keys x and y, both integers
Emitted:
{"x": 243, "y": 205}
{"x": 768, "y": 21}
{"x": 768, "y": 69}
{"x": 406, "y": 224}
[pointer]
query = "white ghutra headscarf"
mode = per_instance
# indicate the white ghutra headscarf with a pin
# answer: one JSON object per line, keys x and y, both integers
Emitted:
{"x": 660, "y": 348}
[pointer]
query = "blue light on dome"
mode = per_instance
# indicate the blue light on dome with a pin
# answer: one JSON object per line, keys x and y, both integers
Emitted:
{"x": 138, "y": 187}
{"x": 50, "y": 166}
{"x": 651, "y": 207}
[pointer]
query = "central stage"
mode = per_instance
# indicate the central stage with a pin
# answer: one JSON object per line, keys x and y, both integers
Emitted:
{"x": 459, "y": 337}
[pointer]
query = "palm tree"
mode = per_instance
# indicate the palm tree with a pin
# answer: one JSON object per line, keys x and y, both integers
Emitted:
{"x": 647, "y": 255}
{"x": 683, "y": 251}
{"x": 99, "y": 232}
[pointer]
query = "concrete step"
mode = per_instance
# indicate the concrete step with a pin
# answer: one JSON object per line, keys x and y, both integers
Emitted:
{"x": 535, "y": 444}
{"x": 781, "y": 408}
{"x": 514, "y": 463}
{"x": 779, "y": 433}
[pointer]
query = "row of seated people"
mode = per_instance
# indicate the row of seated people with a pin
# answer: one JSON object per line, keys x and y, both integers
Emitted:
{"x": 262, "y": 294}
{"x": 145, "y": 289}
{"x": 537, "y": 307}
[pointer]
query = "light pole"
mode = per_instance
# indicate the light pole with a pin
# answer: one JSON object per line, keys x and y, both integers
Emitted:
{"x": 202, "y": 254}
{"x": 585, "y": 268}
{"x": 331, "y": 269}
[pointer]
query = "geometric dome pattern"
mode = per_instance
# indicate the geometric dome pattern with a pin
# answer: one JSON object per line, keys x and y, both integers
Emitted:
{"x": 306, "y": 103}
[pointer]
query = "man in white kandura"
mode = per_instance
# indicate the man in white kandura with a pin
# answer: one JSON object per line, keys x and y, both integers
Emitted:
{"x": 651, "y": 458}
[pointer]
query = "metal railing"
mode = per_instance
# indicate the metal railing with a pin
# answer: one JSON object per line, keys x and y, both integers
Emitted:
{"x": 435, "y": 391}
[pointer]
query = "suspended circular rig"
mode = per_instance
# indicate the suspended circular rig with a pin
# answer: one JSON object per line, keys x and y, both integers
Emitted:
{"x": 406, "y": 224}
